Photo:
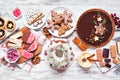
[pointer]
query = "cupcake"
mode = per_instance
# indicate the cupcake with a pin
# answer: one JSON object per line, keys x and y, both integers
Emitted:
{"x": 59, "y": 55}
{"x": 10, "y": 25}
{"x": 2, "y": 34}
{"x": 2, "y": 22}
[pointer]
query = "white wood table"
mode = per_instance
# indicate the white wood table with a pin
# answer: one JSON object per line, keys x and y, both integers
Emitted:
{"x": 74, "y": 72}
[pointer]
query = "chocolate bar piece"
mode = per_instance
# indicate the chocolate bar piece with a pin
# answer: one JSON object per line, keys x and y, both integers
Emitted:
{"x": 105, "y": 53}
{"x": 107, "y": 60}
{"x": 118, "y": 47}
{"x": 108, "y": 65}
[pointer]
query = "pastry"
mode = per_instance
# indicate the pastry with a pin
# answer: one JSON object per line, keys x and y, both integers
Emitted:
{"x": 118, "y": 47}
{"x": 35, "y": 18}
{"x": 113, "y": 51}
{"x": 26, "y": 54}
{"x": 99, "y": 54}
{"x": 59, "y": 55}
{"x": 10, "y": 25}
{"x": 95, "y": 27}
{"x": 26, "y": 32}
{"x": 38, "y": 50}
{"x": 63, "y": 28}
{"x": 56, "y": 18}
{"x": 102, "y": 64}
{"x": 33, "y": 46}
{"x": 36, "y": 60}
{"x": 67, "y": 17}
{"x": 115, "y": 61}
{"x": 2, "y": 34}
{"x": 14, "y": 41}
{"x": 2, "y": 23}
{"x": 51, "y": 25}
{"x": 60, "y": 22}
{"x": 31, "y": 38}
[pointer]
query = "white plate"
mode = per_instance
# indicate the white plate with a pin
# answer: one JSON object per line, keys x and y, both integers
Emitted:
{"x": 61, "y": 10}
{"x": 31, "y": 26}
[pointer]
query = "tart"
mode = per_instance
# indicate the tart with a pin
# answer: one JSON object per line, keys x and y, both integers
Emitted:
{"x": 2, "y": 22}
{"x": 2, "y": 34}
{"x": 10, "y": 25}
{"x": 95, "y": 27}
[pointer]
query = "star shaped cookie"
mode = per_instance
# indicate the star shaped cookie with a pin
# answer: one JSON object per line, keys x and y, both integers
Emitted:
{"x": 99, "y": 29}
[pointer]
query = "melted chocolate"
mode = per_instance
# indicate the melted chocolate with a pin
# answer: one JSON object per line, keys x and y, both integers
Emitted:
{"x": 85, "y": 25}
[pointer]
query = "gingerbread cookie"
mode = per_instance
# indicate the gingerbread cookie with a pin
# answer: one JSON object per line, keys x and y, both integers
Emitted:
{"x": 67, "y": 17}
{"x": 52, "y": 26}
{"x": 63, "y": 29}
{"x": 60, "y": 22}
{"x": 56, "y": 18}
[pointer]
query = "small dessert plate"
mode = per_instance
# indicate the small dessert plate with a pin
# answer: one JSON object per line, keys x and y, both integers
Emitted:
{"x": 33, "y": 18}
{"x": 16, "y": 13}
{"x": 60, "y": 10}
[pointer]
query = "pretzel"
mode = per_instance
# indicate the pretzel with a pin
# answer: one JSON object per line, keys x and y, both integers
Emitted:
{"x": 113, "y": 51}
{"x": 36, "y": 60}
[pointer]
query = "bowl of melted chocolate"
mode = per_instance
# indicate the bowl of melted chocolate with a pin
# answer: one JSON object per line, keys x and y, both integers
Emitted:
{"x": 95, "y": 27}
